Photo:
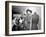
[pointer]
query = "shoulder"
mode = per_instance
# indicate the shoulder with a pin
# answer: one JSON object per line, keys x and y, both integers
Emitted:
{"x": 37, "y": 15}
{"x": 32, "y": 15}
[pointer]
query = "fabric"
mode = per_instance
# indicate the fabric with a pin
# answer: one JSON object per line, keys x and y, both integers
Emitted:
{"x": 35, "y": 20}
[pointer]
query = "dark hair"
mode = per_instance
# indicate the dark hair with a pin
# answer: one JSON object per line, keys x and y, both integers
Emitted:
{"x": 21, "y": 17}
{"x": 28, "y": 10}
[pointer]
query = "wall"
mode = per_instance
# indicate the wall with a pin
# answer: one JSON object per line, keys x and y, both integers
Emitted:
{"x": 2, "y": 19}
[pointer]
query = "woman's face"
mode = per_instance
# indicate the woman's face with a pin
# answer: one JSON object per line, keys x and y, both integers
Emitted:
{"x": 29, "y": 13}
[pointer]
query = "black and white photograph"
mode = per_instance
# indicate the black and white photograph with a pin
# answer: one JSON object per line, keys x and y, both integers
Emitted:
{"x": 26, "y": 18}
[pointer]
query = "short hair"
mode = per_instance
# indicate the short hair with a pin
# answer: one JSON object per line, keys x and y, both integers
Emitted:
{"x": 28, "y": 10}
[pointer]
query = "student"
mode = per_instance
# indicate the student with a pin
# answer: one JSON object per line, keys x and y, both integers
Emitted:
{"x": 35, "y": 20}
{"x": 28, "y": 19}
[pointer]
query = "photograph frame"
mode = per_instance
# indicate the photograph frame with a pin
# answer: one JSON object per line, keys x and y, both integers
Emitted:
{"x": 7, "y": 17}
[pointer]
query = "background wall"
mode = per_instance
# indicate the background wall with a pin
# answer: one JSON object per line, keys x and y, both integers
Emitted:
{"x": 2, "y": 19}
